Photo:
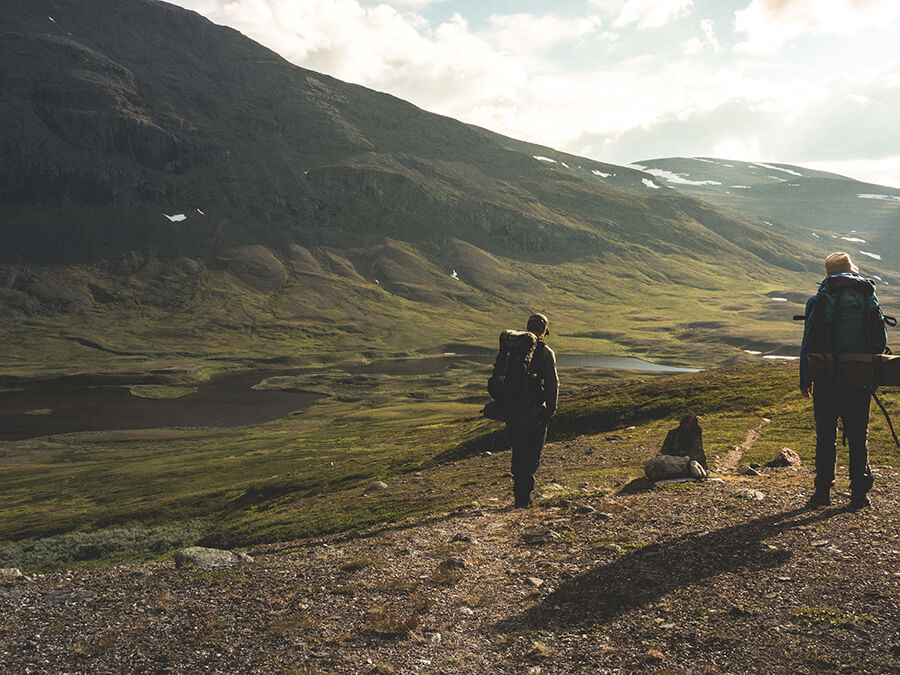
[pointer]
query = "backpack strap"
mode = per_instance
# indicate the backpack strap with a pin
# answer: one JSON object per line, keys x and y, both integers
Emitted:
{"x": 867, "y": 314}
{"x": 835, "y": 320}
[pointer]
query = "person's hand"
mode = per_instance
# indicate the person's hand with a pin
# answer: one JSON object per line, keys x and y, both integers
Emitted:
{"x": 806, "y": 391}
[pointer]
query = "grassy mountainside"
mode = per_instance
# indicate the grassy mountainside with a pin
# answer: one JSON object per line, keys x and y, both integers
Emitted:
{"x": 174, "y": 191}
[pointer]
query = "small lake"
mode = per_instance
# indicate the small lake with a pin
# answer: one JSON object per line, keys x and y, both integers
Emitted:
{"x": 67, "y": 405}
{"x": 226, "y": 401}
{"x": 617, "y": 362}
{"x": 438, "y": 364}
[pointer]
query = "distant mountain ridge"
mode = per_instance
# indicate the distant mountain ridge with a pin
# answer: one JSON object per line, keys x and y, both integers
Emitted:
{"x": 861, "y": 217}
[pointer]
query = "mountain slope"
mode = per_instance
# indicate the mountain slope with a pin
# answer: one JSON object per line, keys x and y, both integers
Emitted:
{"x": 156, "y": 165}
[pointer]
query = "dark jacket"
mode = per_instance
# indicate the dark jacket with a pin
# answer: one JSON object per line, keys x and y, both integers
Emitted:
{"x": 543, "y": 364}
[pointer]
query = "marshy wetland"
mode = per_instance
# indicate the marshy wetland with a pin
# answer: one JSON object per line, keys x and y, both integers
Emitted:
{"x": 34, "y": 408}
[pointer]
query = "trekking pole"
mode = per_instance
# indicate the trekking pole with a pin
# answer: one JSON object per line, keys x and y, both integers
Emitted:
{"x": 887, "y": 417}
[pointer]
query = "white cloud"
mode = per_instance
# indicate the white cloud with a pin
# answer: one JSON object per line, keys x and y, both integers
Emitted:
{"x": 652, "y": 13}
{"x": 557, "y": 80}
{"x": 696, "y": 45}
{"x": 769, "y": 24}
{"x": 738, "y": 147}
{"x": 527, "y": 32}
{"x": 875, "y": 171}
{"x": 709, "y": 31}
{"x": 413, "y": 4}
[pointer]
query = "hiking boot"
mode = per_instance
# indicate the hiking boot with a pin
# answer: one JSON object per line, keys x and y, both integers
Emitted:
{"x": 819, "y": 499}
{"x": 859, "y": 502}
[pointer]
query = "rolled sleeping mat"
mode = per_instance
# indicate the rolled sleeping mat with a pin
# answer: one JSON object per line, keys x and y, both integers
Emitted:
{"x": 854, "y": 369}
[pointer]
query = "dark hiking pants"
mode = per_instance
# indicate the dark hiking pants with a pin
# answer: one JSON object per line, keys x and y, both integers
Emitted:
{"x": 527, "y": 444}
{"x": 851, "y": 406}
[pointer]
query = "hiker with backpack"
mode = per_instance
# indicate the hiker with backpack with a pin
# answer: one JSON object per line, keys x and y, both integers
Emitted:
{"x": 843, "y": 318}
{"x": 524, "y": 386}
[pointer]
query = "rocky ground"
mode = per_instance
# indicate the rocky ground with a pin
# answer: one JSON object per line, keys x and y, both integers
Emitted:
{"x": 731, "y": 575}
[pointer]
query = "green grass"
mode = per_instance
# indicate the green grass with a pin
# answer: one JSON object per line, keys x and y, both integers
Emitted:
{"x": 305, "y": 475}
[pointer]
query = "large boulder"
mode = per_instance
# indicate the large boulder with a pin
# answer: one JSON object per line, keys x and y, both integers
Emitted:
{"x": 199, "y": 556}
{"x": 785, "y": 457}
{"x": 663, "y": 467}
{"x": 686, "y": 440}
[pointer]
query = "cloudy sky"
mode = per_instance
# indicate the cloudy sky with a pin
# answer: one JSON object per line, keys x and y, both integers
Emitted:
{"x": 808, "y": 82}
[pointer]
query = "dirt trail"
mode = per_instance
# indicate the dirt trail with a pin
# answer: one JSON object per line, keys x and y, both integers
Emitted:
{"x": 731, "y": 459}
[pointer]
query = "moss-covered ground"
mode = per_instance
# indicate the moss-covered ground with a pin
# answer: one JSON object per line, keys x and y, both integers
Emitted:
{"x": 138, "y": 494}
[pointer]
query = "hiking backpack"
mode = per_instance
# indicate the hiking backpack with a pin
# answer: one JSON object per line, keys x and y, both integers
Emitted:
{"x": 845, "y": 317}
{"x": 846, "y": 338}
{"x": 512, "y": 383}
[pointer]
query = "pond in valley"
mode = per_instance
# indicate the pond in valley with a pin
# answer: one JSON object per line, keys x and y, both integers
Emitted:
{"x": 58, "y": 407}
{"x": 65, "y": 405}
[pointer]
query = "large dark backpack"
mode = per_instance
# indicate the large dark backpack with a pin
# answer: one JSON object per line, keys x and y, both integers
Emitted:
{"x": 845, "y": 317}
{"x": 846, "y": 336}
{"x": 512, "y": 383}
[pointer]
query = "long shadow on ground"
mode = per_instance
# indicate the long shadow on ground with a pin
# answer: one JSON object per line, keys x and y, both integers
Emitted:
{"x": 650, "y": 573}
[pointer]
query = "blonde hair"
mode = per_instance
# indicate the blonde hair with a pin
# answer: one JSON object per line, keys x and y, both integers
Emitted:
{"x": 838, "y": 263}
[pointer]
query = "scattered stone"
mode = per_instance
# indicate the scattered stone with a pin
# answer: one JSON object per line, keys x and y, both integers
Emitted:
{"x": 453, "y": 564}
{"x": 464, "y": 538}
{"x": 751, "y": 495}
{"x": 748, "y": 471}
{"x": 540, "y": 536}
{"x": 436, "y": 639}
{"x": 585, "y": 509}
{"x": 539, "y": 651}
{"x": 655, "y": 656}
{"x": 199, "y": 556}
{"x": 534, "y": 581}
{"x": 378, "y": 486}
{"x": 10, "y": 574}
{"x": 71, "y": 597}
{"x": 785, "y": 457}
{"x": 468, "y": 611}
{"x": 612, "y": 548}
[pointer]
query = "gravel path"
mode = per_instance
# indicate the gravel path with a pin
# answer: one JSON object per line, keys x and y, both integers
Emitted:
{"x": 729, "y": 576}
